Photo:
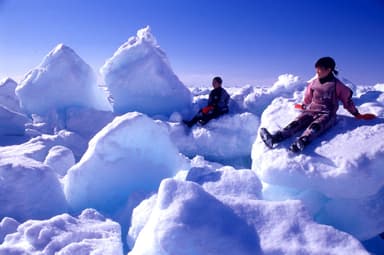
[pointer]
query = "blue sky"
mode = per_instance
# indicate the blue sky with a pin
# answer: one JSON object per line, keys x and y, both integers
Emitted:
{"x": 246, "y": 42}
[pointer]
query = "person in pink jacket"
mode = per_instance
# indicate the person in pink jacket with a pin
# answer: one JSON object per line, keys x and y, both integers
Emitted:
{"x": 320, "y": 104}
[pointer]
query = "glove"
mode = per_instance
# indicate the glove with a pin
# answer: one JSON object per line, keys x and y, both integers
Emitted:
{"x": 207, "y": 109}
{"x": 300, "y": 106}
{"x": 365, "y": 116}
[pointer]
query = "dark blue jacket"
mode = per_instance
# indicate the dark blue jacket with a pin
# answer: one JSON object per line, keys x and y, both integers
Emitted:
{"x": 219, "y": 99}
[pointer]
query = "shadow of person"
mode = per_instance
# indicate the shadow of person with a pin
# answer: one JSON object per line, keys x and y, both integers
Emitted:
{"x": 344, "y": 124}
{"x": 370, "y": 96}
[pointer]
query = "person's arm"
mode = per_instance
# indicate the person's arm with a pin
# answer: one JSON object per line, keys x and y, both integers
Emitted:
{"x": 344, "y": 94}
{"x": 307, "y": 98}
{"x": 224, "y": 104}
{"x": 211, "y": 103}
{"x": 214, "y": 97}
{"x": 308, "y": 94}
{"x": 210, "y": 98}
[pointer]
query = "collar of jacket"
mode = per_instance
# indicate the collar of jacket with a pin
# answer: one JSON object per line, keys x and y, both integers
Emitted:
{"x": 327, "y": 78}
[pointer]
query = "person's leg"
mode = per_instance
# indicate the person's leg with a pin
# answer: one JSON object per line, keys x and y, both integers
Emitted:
{"x": 206, "y": 118}
{"x": 322, "y": 123}
{"x": 319, "y": 126}
{"x": 194, "y": 120}
{"x": 301, "y": 122}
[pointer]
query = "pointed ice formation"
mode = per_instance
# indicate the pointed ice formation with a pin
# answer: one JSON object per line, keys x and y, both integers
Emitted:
{"x": 62, "y": 80}
{"x": 140, "y": 78}
{"x": 8, "y": 97}
{"x": 12, "y": 122}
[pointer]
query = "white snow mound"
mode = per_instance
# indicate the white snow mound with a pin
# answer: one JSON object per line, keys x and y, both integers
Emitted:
{"x": 63, "y": 79}
{"x": 185, "y": 219}
{"x": 89, "y": 233}
{"x": 140, "y": 78}
{"x": 188, "y": 220}
{"x": 131, "y": 154}
{"x": 60, "y": 159}
{"x": 29, "y": 189}
{"x": 227, "y": 139}
{"x": 8, "y": 96}
{"x": 342, "y": 166}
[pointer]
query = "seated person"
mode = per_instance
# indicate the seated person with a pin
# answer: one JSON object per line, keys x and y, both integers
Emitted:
{"x": 321, "y": 101}
{"x": 217, "y": 105}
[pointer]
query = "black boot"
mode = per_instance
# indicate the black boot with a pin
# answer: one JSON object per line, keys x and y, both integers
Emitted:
{"x": 188, "y": 123}
{"x": 269, "y": 139}
{"x": 299, "y": 144}
{"x": 191, "y": 122}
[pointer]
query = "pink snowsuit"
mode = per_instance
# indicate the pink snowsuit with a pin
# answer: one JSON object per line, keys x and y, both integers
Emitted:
{"x": 321, "y": 102}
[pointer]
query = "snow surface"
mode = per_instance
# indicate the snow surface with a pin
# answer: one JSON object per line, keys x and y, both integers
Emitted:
{"x": 162, "y": 188}
{"x": 227, "y": 139}
{"x": 29, "y": 189}
{"x": 60, "y": 159}
{"x": 89, "y": 233}
{"x": 185, "y": 217}
{"x": 140, "y": 78}
{"x": 188, "y": 220}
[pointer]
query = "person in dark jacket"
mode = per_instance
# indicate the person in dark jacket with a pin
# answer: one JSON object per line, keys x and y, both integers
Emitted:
{"x": 320, "y": 104}
{"x": 217, "y": 105}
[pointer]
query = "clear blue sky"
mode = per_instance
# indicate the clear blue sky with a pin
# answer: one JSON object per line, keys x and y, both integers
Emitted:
{"x": 250, "y": 41}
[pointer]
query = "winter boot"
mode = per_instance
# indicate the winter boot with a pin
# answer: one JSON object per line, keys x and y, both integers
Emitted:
{"x": 192, "y": 122}
{"x": 188, "y": 123}
{"x": 202, "y": 122}
{"x": 269, "y": 139}
{"x": 266, "y": 137}
{"x": 299, "y": 144}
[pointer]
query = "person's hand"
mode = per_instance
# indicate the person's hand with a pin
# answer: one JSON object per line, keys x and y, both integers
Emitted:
{"x": 207, "y": 109}
{"x": 365, "y": 116}
{"x": 300, "y": 106}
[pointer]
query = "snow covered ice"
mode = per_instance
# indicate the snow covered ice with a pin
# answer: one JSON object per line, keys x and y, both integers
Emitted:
{"x": 238, "y": 131}
{"x": 185, "y": 217}
{"x": 12, "y": 122}
{"x": 89, "y": 233}
{"x": 131, "y": 154}
{"x": 8, "y": 97}
{"x": 140, "y": 78}
{"x": 80, "y": 174}
{"x": 29, "y": 189}
{"x": 341, "y": 167}
{"x": 68, "y": 81}
{"x": 188, "y": 220}
{"x": 60, "y": 159}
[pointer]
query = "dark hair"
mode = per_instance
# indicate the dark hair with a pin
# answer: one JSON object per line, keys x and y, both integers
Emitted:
{"x": 327, "y": 62}
{"x": 218, "y": 79}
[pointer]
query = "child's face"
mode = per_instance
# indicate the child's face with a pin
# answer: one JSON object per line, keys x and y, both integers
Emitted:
{"x": 215, "y": 84}
{"x": 322, "y": 72}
